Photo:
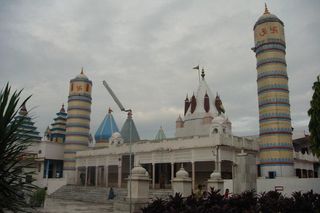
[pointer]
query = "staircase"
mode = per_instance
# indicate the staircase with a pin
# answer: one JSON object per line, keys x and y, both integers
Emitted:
{"x": 71, "y": 198}
{"x": 87, "y": 194}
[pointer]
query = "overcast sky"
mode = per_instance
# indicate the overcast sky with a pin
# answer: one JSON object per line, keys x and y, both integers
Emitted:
{"x": 145, "y": 50}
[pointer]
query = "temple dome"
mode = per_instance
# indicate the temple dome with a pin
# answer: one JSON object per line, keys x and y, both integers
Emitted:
{"x": 182, "y": 173}
{"x": 138, "y": 171}
{"x": 106, "y": 128}
{"x": 160, "y": 135}
{"x": 129, "y": 131}
{"x": 267, "y": 17}
{"x": 81, "y": 76}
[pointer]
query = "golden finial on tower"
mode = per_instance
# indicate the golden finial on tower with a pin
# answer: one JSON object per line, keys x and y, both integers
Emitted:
{"x": 266, "y": 11}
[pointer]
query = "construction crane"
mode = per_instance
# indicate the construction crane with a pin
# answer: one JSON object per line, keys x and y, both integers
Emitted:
{"x": 130, "y": 139}
{"x": 115, "y": 97}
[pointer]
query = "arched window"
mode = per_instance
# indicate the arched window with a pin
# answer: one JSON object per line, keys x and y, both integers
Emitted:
{"x": 87, "y": 88}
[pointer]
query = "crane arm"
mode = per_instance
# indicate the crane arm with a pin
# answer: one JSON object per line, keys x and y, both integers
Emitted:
{"x": 114, "y": 96}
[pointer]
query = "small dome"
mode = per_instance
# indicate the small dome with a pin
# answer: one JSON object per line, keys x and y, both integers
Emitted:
{"x": 267, "y": 17}
{"x": 138, "y": 171}
{"x": 182, "y": 173}
{"x": 116, "y": 135}
{"x": 81, "y": 75}
{"x": 215, "y": 175}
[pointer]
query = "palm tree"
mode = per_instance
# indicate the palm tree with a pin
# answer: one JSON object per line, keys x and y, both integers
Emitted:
{"x": 14, "y": 188}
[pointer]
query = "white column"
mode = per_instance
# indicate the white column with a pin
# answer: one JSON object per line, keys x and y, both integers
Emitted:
{"x": 193, "y": 175}
{"x": 86, "y": 177}
{"x": 119, "y": 176}
{"x": 106, "y": 173}
{"x": 153, "y": 175}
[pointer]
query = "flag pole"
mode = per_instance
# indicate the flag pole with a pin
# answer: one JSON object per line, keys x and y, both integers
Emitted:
{"x": 197, "y": 68}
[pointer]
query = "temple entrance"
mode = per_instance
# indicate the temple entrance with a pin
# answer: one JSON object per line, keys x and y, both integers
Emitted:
{"x": 91, "y": 179}
{"x": 113, "y": 175}
{"x": 203, "y": 171}
{"x": 226, "y": 169}
{"x": 163, "y": 176}
{"x": 125, "y": 169}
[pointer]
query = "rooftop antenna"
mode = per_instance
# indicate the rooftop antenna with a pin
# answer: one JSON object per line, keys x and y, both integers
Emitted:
{"x": 130, "y": 138}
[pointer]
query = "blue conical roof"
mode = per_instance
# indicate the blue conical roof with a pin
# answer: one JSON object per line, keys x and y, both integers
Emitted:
{"x": 106, "y": 128}
{"x": 129, "y": 131}
{"x": 160, "y": 135}
{"x": 27, "y": 130}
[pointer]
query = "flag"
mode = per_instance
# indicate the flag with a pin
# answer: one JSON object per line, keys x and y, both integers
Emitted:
{"x": 196, "y": 68}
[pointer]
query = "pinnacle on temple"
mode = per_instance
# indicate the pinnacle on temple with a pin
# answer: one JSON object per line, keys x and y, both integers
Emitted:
{"x": 107, "y": 127}
{"x": 27, "y": 131}
{"x": 160, "y": 135}
{"x": 266, "y": 11}
{"x": 58, "y": 127}
{"x": 129, "y": 131}
{"x": 199, "y": 111}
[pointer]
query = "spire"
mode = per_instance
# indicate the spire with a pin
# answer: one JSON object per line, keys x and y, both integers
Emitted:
{"x": 266, "y": 11}
{"x": 202, "y": 73}
{"x": 81, "y": 70}
{"x": 129, "y": 131}
{"x": 62, "y": 108}
{"x": 130, "y": 114}
{"x": 23, "y": 109}
{"x": 107, "y": 127}
{"x": 160, "y": 135}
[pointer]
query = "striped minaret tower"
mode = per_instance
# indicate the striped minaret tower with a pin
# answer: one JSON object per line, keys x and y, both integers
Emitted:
{"x": 78, "y": 122}
{"x": 276, "y": 150}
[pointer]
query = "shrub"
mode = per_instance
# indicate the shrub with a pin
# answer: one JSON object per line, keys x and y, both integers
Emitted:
{"x": 38, "y": 197}
{"x": 248, "y": 202}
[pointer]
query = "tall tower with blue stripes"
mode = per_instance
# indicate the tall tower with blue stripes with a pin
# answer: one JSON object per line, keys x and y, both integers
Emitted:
{"x": 276, "y": 149}
{"x": 78, "y": 123}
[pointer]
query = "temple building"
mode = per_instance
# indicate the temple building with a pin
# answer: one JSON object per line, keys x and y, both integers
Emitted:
{"x": 204, "y": 147}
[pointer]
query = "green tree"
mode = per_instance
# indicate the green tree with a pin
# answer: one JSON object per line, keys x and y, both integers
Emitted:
{"x": 14, "y": 188}
{"x": 314, "y": 113}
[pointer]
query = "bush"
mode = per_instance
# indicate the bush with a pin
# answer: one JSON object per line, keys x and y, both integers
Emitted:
{"x": 248, "y": 202}
{"x": 38, "y": 197}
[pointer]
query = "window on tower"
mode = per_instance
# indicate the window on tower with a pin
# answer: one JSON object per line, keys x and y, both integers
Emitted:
{"x": 87, "y": 88}
{"x": 71, "y": 87}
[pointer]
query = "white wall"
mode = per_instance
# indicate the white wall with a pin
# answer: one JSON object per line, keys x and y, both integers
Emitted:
{"x": 53, "y": 184}
{"x": 289, "y": 185}
{"x": 51, "y": 150}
